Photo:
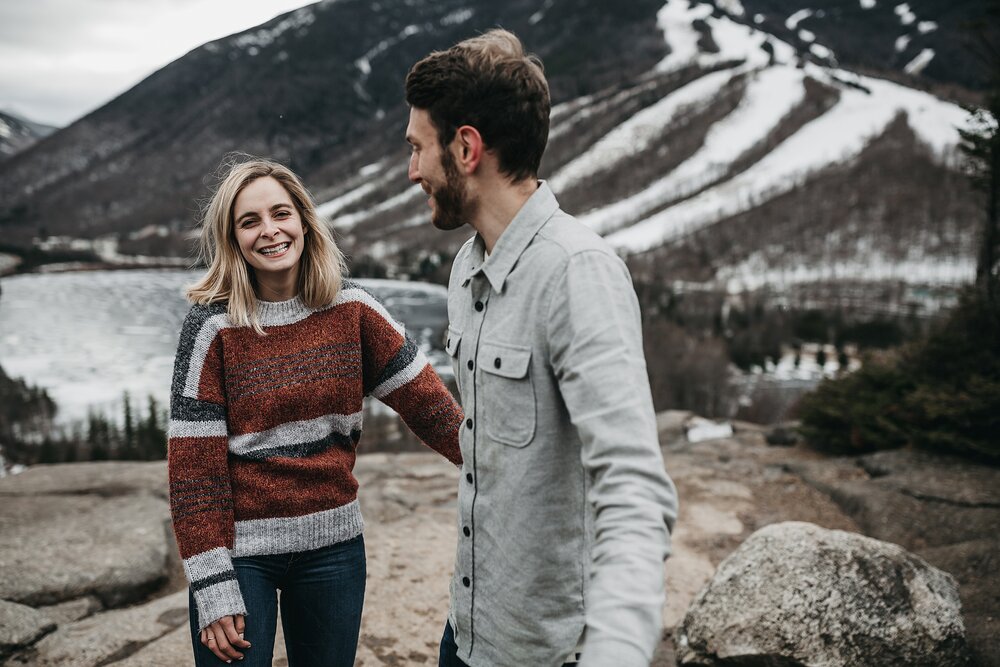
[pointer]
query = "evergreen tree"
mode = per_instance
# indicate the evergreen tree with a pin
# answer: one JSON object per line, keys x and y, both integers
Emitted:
{"x": 981, "y": 145}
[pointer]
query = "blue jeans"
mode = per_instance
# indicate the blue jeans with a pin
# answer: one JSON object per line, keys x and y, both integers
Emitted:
{"x": 322, "y": 593}
{"x": 448, "y": 653}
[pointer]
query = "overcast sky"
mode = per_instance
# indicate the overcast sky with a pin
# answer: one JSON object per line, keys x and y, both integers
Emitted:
{"x": 60, "y": 59}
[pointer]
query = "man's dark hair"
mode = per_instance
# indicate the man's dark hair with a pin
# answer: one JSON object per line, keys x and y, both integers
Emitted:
{"x": 490, "y": 83}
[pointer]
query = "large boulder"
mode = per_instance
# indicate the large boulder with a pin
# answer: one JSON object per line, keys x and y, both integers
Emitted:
{"x": 797, "y": 594}
{"x": 56, "y": 548}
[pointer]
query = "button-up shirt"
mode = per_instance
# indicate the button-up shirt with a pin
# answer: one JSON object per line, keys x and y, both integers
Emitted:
{"x": 564, "y": 506}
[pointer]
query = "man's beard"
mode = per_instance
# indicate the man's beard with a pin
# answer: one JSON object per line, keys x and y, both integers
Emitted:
{"x": 453, "y": 207}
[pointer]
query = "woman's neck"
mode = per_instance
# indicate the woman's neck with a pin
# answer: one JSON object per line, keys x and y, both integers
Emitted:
{"x": 276, "y": 290}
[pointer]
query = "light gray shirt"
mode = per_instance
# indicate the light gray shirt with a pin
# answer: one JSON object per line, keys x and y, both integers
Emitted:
{"x": 564, "y": 506}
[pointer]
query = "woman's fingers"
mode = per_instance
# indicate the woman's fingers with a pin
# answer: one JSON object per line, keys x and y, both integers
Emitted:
{"x": 218, "y": 639}
{"x": 233, "y": 627}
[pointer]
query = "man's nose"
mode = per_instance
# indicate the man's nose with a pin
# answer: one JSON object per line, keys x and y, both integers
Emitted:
{"x": 413, "y": 173}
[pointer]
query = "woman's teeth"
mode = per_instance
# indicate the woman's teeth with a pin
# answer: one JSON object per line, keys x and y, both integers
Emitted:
{"x": 274, "y": 250}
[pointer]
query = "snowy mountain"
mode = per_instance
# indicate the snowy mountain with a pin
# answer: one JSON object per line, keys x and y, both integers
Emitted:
{"x": 18, "y": 133}
{"x": 724, "y": 148}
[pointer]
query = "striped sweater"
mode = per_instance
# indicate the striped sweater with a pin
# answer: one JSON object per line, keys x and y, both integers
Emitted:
{"x": 264, "y": 429}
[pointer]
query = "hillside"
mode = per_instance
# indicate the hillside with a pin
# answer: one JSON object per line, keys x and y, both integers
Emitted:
{"x": 17, "y": 134}
{"x": 733, "y": 148}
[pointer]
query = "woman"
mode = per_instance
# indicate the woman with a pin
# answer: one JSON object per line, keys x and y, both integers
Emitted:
{"x": 275, "y": 357}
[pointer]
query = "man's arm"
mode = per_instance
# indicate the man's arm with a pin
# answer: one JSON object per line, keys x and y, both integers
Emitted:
{"x": 595, "y": 345}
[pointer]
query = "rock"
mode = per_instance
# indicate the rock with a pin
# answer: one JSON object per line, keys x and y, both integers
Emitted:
{"x": 106, "y": 478}
{"x": 72, "y": 610}
{"x": 20, "y": 626}
{"x": 56, "y": 548}
{"x": 796, "y": 594}
{"x": 934, "y": 478}
{"x": 109, "y": 636}
{"x": 783, "y": 435}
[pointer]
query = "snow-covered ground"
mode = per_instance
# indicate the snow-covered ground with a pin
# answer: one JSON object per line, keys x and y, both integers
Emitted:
{"x": 770, "y": 95}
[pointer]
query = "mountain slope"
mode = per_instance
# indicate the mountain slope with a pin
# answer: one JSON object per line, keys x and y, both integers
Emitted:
{"x": 18, "y": 133}
{"x": 319, "y": 88}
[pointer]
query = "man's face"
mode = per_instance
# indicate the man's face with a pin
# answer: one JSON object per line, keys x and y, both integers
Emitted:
{"x": 435, "y": 170}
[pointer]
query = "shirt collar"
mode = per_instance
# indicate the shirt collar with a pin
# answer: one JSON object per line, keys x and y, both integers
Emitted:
{"x": 513, "y": 241}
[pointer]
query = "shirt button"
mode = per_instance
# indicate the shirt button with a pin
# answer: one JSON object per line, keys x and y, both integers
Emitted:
{"x": 471, "y": 365}
{"x": 496, "y": 363}
{"x": 468, "y": 423}
{"x": 466, "y": 582}
{"x": 479, "y": 306}
{"x": 468, "y": 477}
{"x": 467, "y": 531}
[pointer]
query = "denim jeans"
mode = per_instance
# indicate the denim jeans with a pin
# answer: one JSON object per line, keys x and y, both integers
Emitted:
{"x": 448, "y": 654}
{"x": 322, "y": 593}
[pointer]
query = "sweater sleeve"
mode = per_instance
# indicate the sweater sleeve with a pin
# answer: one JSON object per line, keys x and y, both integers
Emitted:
{"x": 201, "y": 503}
{"x": 398, "y": 373}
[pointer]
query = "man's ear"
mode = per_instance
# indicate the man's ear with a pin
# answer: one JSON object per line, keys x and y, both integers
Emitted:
{"x": 469, "y": 148}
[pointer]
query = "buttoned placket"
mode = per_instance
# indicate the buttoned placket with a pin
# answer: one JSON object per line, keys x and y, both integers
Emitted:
{"x": 478, "y": 300}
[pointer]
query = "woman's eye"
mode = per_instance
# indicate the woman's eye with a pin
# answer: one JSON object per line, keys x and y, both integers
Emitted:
{"x": 247, "y": 223}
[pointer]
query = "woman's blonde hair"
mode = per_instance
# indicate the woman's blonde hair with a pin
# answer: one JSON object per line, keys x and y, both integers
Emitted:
{"x": 229, "y": 278}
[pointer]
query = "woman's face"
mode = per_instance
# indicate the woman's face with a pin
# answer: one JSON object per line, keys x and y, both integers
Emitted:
{"x": 269, "y": 230}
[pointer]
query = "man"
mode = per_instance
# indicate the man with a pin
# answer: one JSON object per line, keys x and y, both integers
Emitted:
{"x": 564, "y": 507}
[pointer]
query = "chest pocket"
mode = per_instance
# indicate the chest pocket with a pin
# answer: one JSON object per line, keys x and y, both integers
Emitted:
{"x": 506, "y": 393}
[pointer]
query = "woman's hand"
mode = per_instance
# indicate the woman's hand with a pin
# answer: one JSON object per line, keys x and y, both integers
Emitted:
{"x": 224, "y": 636}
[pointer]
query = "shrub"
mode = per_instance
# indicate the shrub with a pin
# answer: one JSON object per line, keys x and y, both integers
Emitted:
{"x": 941, "y": 393}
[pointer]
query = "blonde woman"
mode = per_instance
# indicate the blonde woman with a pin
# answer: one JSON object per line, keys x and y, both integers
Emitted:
{"x": 274, "y": 359}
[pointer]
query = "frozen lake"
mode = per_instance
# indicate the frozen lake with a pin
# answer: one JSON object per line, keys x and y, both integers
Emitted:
{"x": 87, "y": 337}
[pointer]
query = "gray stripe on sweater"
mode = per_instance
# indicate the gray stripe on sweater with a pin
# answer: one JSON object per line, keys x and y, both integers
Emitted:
{"x": 298, "y": 533}
{"x": 305, "y": 432}
{"x": 208, "y": 564}
{"x": 197, "y": 429}
{"x": 403, "y": 376}
{"x": 199, "y": 351}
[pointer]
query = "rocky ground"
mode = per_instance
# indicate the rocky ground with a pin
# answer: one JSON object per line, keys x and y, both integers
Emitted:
{"x": 89, "y": 575}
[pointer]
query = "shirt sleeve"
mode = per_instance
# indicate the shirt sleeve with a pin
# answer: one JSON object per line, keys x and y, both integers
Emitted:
{"x": 595, "y": 346}
{"x": 201, "y": 503}
{"x": 398, "y": 373}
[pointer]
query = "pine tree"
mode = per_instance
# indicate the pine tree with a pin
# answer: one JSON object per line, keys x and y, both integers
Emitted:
{"x": 981, "y": 146}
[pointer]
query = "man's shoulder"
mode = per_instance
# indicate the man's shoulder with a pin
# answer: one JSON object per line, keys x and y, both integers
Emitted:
{"x": 563, "y": 236}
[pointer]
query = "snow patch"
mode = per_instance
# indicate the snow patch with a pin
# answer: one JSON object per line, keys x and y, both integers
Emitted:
{"x": 758, "y": 18}
{"x": 640, "y": 131}
{"x": 807, "y": 35}
{"x": 821, "y": 52}
{"x": 701, "y": 429}
{"x": 905, "y": 14}
{"x": 917, "y": 65}
{"x": 732, "y": 7}
{"x": 770, "y": 95}
{"x": 902, "y": 42}
{"x": 736, "y": 41}
{"x": 793, "y": 21}
{"x": 264, "y": 37}
{"x": 925, "y": 27}
{"x": 868, "y": 4}
{"x": 5, "y": 130}
{"x": 456, "y": 17}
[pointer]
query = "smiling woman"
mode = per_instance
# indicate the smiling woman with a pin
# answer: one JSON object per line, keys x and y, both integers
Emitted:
{"x": 273, "y": 363}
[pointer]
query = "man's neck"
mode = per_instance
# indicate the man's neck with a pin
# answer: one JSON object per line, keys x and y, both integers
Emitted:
{"x": 499, "y": 202}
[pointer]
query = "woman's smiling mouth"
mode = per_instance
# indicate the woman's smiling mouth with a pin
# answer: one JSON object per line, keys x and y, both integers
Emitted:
{"x": 272, "y": 250}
